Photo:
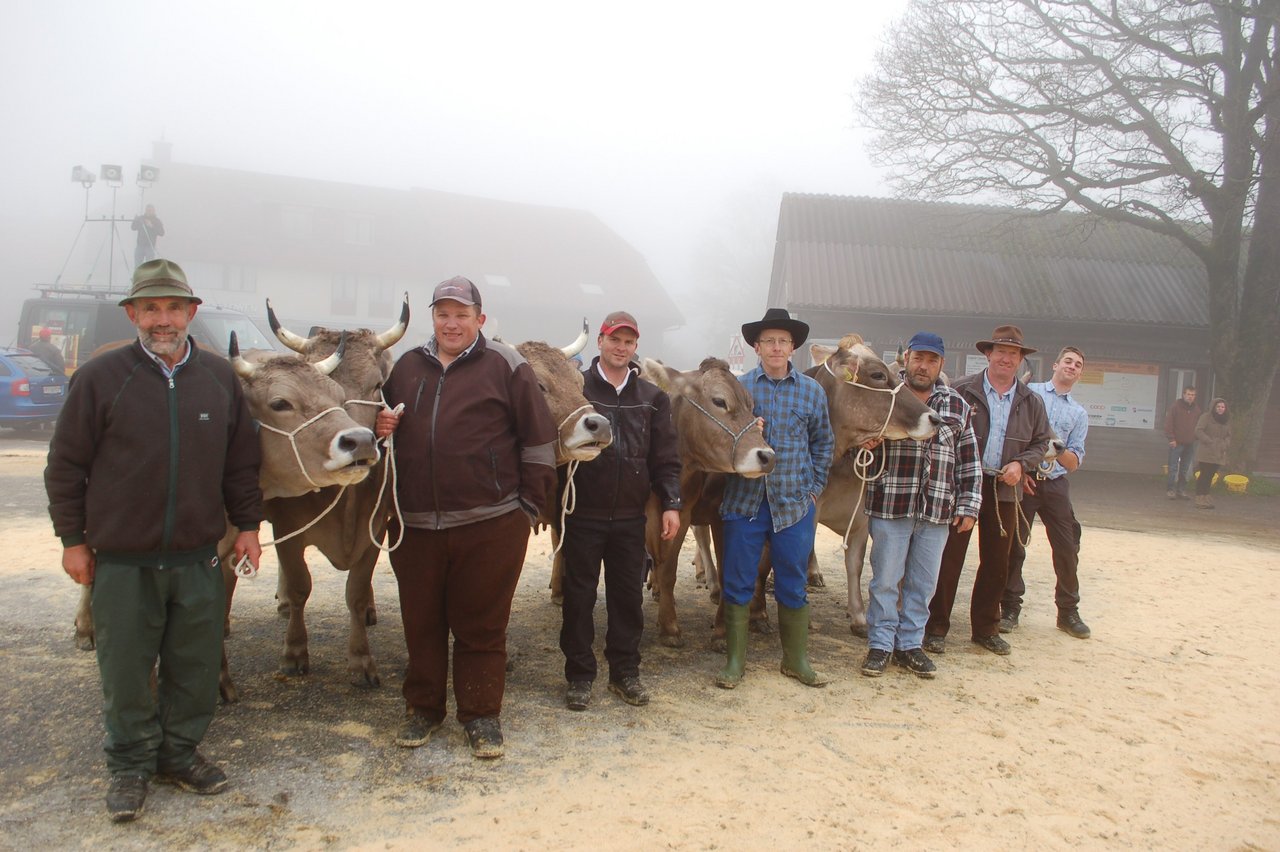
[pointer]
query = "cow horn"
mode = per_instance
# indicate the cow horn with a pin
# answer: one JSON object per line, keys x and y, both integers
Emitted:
{"x": 328, "y": 365}
{"x": 284, "y": 335}
{"x": 392, "y": 336}
{"x": 243, "y": 368}
{"x": 577, "y": 345}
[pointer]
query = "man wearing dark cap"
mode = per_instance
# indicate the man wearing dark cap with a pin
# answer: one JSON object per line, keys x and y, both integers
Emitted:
{"x": 779, "y": 508}
{"x": 475, "y": 448}
{"x": 926, "y": 488}
{"x": 42, "y": 347}
{"x": 154, "y": 452}
{"x": 1012, "y": 430}
{"x": 608, "y": 521}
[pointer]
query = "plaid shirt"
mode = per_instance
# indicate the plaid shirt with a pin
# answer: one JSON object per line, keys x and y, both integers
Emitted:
{"x": 797, "y": 426}
{"x": 932, "y": 480}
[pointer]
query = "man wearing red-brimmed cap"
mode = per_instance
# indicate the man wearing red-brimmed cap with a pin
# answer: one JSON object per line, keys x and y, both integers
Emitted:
{"x": 608, "y": 522}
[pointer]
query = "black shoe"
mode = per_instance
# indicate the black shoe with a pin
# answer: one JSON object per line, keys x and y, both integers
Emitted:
{"x": 578, "y": 695}
{"x": 200, "y": 777}
{"x": 416, "y": 729}
{"x": 935, "y": 644}
{"x": 125, "y": 797}
{"x": 630, "y": 690}
{"x": 485, "y": 737}
{"x": 994, "y": 644}
{"x": 874, "y": 664}
{"x": 916, "y": 661}
{"x": 1009, "y": 621}
{"x": 1070, "y": 623}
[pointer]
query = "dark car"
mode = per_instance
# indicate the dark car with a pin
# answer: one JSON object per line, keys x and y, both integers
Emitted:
{"x": 31, "y": 392}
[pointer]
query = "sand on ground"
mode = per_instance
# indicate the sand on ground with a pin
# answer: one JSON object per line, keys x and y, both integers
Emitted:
{"x": 1162, "y": 731}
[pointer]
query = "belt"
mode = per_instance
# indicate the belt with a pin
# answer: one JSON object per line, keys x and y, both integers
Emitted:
{"x": 1044, "y": 477}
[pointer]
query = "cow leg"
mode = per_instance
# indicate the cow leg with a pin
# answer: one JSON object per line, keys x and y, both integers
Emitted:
{"x": 665, "y": 563}
{"x": 815, "y": 580}
{"x": 758, "y": 608}
{"x": 557, "y": 572}
{"x": 702, "y": 566}
{"x": 295, "y": 584}
{"x": 282, "y": 597}
{"x": 854, "y": 559}
{"x": 360, "y": 665}
{"x": 84, "y": 621}
{"x": 226, "y": 688}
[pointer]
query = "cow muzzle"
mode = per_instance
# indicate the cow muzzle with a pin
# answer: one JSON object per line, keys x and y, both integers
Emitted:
{"x": 587, "y": 436}
{"x": 352, "y": 452}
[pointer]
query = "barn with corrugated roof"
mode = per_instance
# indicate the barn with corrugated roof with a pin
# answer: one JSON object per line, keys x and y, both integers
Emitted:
{"x": 1133, "y": 301}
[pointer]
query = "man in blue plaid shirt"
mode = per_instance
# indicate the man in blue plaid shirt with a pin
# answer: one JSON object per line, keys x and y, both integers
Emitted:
{"x": 779, "y": 508}
{"x": 926, "y": 485}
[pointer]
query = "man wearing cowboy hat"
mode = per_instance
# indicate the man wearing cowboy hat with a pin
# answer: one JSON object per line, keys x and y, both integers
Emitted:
{"x": 154, "y": 453}
{"x": 779, "y": 508}
{"x": 1013, "y": 434}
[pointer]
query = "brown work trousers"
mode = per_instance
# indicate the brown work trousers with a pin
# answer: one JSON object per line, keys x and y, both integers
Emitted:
{"x": 461, "y": 581}
{"x": 993, "y": 567}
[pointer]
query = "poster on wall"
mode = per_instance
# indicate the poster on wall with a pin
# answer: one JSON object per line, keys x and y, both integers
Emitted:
{"x": 1118, "y": 394}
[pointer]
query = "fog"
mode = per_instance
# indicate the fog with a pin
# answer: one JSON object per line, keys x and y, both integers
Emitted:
{"x": 678, "y": 124}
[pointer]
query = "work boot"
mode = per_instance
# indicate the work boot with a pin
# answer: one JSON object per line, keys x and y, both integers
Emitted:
{"x": 125, "y": 797}
{"x": 577, "y": 695}
{"x": 416, "y": 729}
{"x": 1009, "y": 619}
{"x": 484, "y": 735}
{"x": 793, "y": 627}
{"x": 200, "y": 777}
{"x": 736, "y": 617}
{"x": 1071, "y": 624}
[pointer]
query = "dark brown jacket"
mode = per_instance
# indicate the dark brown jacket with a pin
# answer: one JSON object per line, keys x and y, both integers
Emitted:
{"x": 149, "y": 470}
{"x": 475, "y": 441}
{"x": 1180, "y": 422}
{"x": 1026, "y": 438}
{"x": 643, "y": 458}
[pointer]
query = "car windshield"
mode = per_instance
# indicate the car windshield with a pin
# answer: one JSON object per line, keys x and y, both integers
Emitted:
{"x": 248, "y": 335}
{"x": 32, "y": 365}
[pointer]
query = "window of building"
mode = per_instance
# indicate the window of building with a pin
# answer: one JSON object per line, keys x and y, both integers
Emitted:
{"x": 382, "y": 297}
{"x": 346, "y": 287}
{"x": 358, "y": 229}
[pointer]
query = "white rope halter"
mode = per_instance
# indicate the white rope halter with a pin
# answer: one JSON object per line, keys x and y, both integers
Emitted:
{"x": 568, "y": 500}
{"x": 737, "y": 436}
{"x": 293, "y": 439}
{"x": 864, "y": 458}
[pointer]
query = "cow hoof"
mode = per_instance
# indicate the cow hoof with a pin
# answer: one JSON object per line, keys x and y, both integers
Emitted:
{"x": 714, "y": 595}
{"x": 858, "y": 629}
{"x": 817, "y": 581}
{"x": 366, "y": 680}
{"x": 292, "y": 668}
{"x": 761, "y": 626}
{"x": 228, "y": 693}
{"x": 672, "y": 640}
{"x": 85, "y": 642}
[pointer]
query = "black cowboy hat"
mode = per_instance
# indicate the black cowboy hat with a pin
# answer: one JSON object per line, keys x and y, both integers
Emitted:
{"x": 780, "y": 319}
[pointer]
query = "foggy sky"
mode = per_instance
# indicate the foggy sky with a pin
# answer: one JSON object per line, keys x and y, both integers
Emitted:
{"x": 654, "y": 116}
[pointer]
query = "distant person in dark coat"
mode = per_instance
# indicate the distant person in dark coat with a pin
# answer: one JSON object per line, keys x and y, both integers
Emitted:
{"x": 44, "y": 349}
{"x": 1180, "y": 428}
{"x": 1213, "y": 437}
{"x": 149, "y": 228}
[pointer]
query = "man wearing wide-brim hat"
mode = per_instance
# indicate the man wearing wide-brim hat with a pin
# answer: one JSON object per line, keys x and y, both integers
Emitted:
{"x": 780, "y": 507}
{"x": 153, "y": 454}
{"x": 1012, "y": 430}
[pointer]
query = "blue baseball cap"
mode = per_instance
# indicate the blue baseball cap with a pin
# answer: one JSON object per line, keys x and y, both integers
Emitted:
{"x": 925, "y": 341}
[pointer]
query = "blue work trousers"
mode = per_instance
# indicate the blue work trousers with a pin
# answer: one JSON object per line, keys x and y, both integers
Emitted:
{"x": 789, "y": 549}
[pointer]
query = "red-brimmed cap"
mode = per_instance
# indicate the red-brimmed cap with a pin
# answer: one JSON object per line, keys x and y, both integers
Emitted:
{"x": 617, "y": 320}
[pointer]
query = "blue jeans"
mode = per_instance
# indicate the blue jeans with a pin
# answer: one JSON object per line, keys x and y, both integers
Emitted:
{"x": 1181, "y": 459}
{"x": 906, "y": 553}
{"x": 789, "y": 549}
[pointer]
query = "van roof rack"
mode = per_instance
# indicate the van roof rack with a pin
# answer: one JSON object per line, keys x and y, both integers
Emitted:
{"x": 84, "y": 291}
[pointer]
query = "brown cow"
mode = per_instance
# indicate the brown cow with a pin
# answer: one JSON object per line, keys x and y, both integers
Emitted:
{"x": 350, "y": 535}
{"x": 284, "y": 393}
{"x": 717, "y": 434}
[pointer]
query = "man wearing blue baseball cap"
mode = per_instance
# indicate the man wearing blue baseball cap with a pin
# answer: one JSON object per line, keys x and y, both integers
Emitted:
{"x": 927, "y": 487}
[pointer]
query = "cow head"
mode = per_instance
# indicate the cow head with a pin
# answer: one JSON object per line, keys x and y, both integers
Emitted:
{"x": 365, "y": 365}
{"x": 308, "y": 439}
{"x": 864, "y": 398}
{"x": 583, "y": 432}
{"x": 714, "y": 419}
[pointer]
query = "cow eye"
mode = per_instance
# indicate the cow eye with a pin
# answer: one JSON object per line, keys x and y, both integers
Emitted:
{"x": 719, "y": 402}
{"x": 279, "y": 404}
{"x": 878, "y": 376}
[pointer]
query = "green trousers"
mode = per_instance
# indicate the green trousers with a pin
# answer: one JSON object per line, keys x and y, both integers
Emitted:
{"x": 172, "y": 615}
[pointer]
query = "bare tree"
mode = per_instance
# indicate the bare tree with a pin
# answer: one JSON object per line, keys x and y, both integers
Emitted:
{"x": 1160, "y": 113}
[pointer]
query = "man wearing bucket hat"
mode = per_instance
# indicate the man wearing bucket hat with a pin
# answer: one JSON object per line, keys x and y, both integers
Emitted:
{"x": 779, "y": 508}
{"x": 1013, "y": 434}
{"x": 154, "y": 453}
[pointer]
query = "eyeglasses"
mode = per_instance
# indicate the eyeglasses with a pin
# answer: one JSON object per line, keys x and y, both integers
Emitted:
{"x": 774, "y": 341}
